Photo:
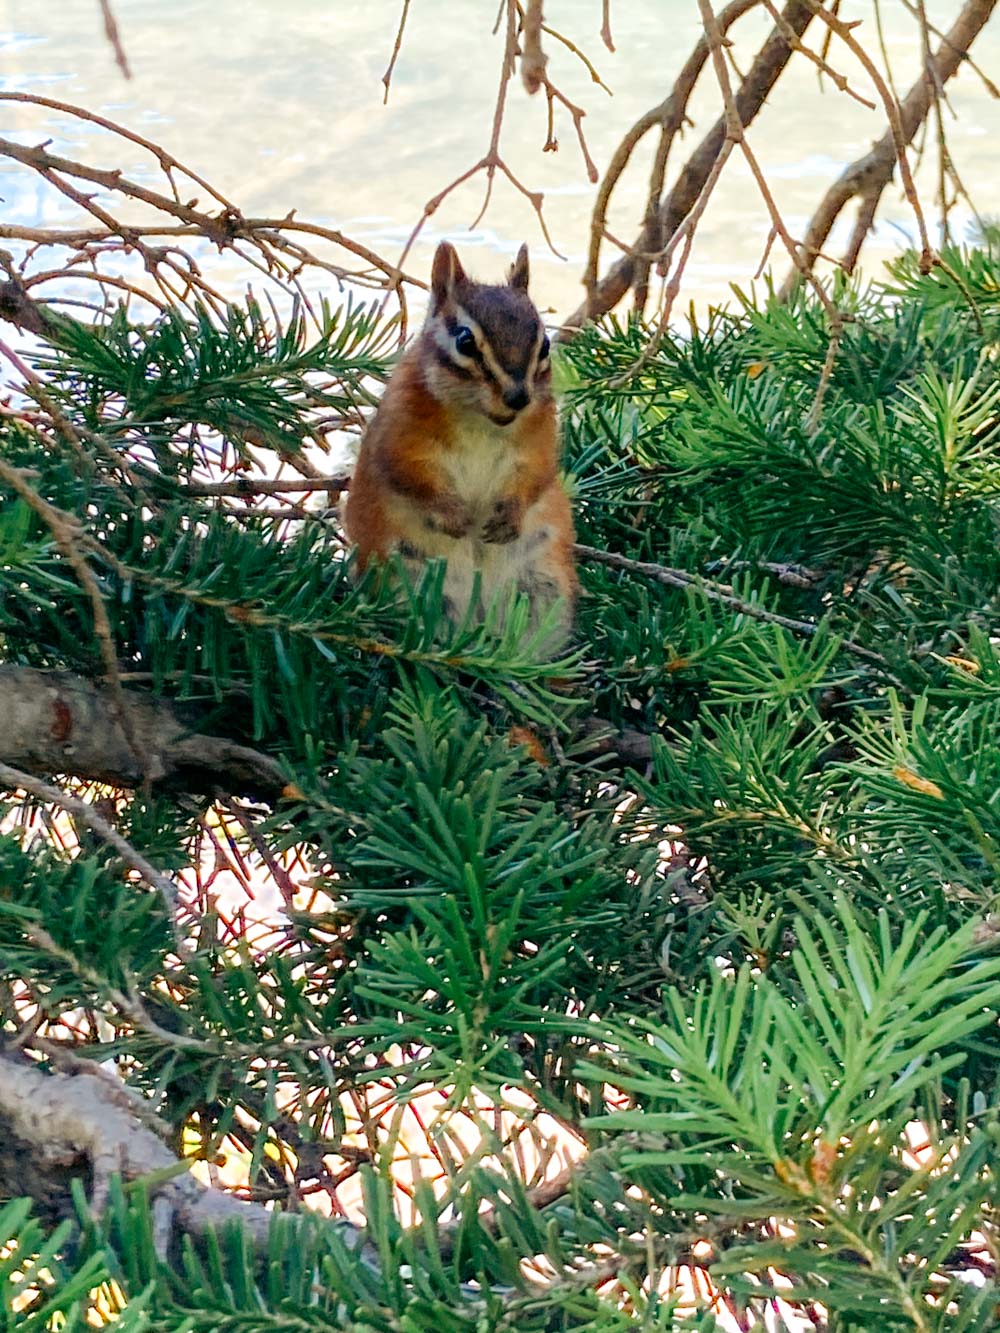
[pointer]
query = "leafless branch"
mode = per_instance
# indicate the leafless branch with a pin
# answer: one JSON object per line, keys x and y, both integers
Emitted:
{"x": 722, "y": 593}
{"x": 670, "y": 211}
{"x": 892, "y": 109}
{"x": 606, "y": 37}
{"x": 247, "y": 487}
{"x": 114, "y": 37}
{"x": 867, "y": 178}
{"x": 60, "y": 1126}
{"x": 273, "y": 246}
{"x": 397, "y": 44}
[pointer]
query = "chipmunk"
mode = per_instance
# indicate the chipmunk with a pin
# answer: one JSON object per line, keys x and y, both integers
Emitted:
{"x": 460, "y": 459}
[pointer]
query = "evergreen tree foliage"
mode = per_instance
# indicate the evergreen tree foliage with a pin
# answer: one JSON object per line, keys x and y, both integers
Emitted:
{"x": 753, "y": 984}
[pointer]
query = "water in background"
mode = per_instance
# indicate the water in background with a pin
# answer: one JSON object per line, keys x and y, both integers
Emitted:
{"x": 281, "y": 108}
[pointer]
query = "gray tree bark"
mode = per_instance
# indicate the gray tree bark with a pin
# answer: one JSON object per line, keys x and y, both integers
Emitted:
{"x": 55, "y": 722}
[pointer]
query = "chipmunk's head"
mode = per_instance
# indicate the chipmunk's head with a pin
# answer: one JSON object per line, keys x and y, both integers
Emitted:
{"x": 489, "y": 350}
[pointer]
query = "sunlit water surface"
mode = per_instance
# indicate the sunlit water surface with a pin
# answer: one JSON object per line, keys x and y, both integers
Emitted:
{"x": 281, "y": 107}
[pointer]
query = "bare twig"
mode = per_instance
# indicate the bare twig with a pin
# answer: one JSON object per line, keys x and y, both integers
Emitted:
{"x": 387, "y": 76}
{"x": 246, "y": 487}
{"x": 829, "y": 361}
{"x": 839, "y": 80}
{"x": 604, "y": 293}
{"x": 867, "y": 178}
{"x": 791, "y": 574}
{"x": 533, "y": 58}
{"x": 273, "y": 246}
{"x": 893, "y": 112}
{"x": 582, "y": 56}
{"x": 606, "y": 37}
{"x": 491, "y": 162}
{"x": 114, "y": 37}
{"x": 670, "y": 115}
{"x": 527, "y": 23}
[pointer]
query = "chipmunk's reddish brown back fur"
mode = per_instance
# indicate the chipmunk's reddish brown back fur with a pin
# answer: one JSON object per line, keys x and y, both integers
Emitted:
{"x": 460, "y": 460}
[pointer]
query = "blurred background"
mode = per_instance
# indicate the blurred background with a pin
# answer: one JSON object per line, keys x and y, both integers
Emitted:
{"x": 281, "y": 107}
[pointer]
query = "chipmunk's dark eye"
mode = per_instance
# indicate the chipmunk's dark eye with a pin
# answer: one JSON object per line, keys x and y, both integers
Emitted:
{"x": 543, "y": 351}
{"x": 465, "y": 342}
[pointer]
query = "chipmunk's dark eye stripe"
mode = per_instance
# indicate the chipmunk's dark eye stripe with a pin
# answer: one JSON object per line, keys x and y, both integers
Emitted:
{"x": 449, "y": 363}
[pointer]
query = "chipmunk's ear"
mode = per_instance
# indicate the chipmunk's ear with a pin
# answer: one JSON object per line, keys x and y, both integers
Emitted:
{"x": 446, "y": 274}
{"x": 519, "y": 270}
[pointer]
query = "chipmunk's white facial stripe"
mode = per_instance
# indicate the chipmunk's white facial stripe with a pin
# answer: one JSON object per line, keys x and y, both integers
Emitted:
{"x": 536, "y": 354}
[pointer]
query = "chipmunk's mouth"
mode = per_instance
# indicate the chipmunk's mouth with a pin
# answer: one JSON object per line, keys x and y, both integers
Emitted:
{"x": 499, "y": 420}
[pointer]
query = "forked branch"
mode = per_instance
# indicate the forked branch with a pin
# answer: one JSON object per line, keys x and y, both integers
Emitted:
{"x": 866, "y": 178}
{"x": 670, "y": 211}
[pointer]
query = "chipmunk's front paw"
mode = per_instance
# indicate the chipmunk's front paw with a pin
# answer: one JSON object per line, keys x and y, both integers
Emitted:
{"x": 451, "y": 516}
{"x": 504, "y": 524}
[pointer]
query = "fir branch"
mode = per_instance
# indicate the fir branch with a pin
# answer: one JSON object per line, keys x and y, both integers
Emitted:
{"x": 679, "y": 578}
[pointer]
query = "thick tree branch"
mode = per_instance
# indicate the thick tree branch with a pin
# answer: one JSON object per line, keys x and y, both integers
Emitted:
{"x": 670, "y": 115}
{"x": 85, "y": 1125}
{"x": 55, "y": 722}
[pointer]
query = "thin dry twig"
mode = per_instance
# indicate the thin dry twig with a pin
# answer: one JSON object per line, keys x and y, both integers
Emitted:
{"x": 491, "y": 162}
{"x": 604, "y": 293}
{"x": 735, "y": 131}
{"x": 826, "y": 374}
{"x": 114, "y": 37}
{"x": 397, "y": 44}
{"x": 839, "y": 80}
{"x": 582, "y": 56}
{"x": 893, "y": 113}
{"x": 670, "y": 115}
{"x": 523, "y": 23}
{"x": 867, "y": 178}
{"x": 247, "y": 487}
{"x": 577, "y": 113}
{"x": 963, "y": 55}
{"x": 606, "y": 37}
{"x": 273, "y": 246}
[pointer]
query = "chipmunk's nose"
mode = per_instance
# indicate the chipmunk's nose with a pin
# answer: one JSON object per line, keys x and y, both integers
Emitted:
{"x": 517, "y": 398}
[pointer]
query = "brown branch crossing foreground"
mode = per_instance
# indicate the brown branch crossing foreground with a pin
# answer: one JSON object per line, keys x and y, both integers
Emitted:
{"x": 56, "y": 722}
{"x": 717, "y": 592}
